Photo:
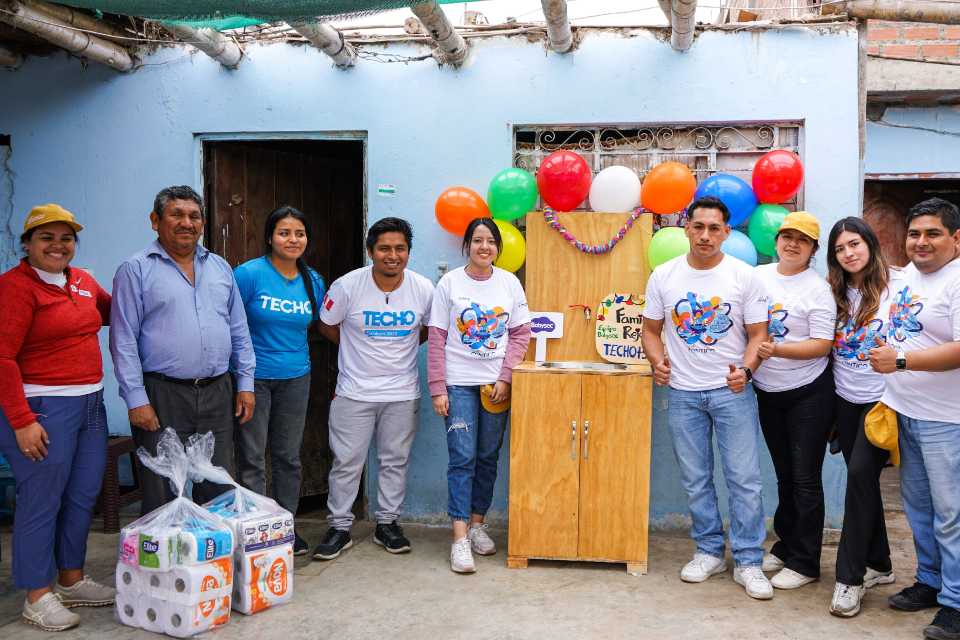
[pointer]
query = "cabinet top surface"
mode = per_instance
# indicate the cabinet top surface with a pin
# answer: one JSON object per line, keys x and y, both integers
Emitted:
{"x": 631, "y": 369}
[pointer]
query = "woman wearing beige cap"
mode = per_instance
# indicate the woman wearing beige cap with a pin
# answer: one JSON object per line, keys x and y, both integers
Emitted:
{"x": 795, "y": 397}
{"x": 53, "y": 428}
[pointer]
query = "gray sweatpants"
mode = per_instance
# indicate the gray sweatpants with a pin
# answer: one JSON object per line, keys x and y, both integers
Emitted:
{"x": 352, "y": 427}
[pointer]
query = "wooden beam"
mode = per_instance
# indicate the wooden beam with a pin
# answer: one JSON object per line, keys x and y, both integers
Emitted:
{"x": 54, "y": 30}
{"x": 559, "y": 34}
{"x": 211, "y": 42}
{"x": 903, "y": 10}
{"x": 682, "y": 22}
{"x": 451, "y": 44}
{"x": 328, "y": 40}
{"x": 9, "y": 58}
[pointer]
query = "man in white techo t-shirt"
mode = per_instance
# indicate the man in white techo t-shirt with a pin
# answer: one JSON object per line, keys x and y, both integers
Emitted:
{"x": 717, "y": 313}
{"x": 922, "y": 358}
{"x": 378, "y": 315}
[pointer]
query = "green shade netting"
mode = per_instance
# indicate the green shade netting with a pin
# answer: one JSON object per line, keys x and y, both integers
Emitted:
{"x": 227, "y": 14}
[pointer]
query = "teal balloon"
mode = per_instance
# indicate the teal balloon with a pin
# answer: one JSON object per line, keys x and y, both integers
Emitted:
{"x": 763, "y": 227}
{"x": 667, "y": 244}
{"x": 512, "y": 193}
{"x": 740, "y": 246}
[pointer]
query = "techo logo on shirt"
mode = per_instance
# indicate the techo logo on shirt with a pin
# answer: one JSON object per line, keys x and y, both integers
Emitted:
{"x": 388, "y": 324}
{"x": 285, "y": 306}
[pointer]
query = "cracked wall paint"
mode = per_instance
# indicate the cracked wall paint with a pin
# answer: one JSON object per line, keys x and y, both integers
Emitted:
{"x": 9, "y": 256}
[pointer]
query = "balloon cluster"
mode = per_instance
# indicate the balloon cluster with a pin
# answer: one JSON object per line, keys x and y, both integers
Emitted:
{"x": 777, "y": 177}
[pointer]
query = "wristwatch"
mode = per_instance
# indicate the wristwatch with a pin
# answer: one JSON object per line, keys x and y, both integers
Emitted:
{"x": 901, "y": 361}
{"x": 749, "y": 373}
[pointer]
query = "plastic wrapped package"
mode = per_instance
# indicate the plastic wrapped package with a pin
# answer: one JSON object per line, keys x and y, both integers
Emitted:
{"x": 263, "y": 531}
{"x": 175, "y": 565}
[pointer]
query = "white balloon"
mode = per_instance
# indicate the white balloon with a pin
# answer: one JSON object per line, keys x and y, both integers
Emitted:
{"x": 615, "y": 190}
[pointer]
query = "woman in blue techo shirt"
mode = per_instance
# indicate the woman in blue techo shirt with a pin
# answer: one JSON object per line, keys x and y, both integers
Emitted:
{"x": 280, "y": 309}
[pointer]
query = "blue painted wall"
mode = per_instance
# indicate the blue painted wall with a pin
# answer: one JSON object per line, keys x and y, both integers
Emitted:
{"x": 102, "y": 144}
{"x": 914, "y": 140}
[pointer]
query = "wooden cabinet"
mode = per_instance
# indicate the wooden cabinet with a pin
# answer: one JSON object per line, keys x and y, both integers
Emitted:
{"x": 579, "y": 466}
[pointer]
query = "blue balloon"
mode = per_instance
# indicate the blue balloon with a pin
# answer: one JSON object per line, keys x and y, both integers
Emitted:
{"x": 741, "y": 247}
{"x": 733, "y": 192}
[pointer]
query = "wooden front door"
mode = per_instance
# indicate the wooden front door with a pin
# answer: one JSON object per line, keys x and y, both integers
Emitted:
{"x": 244, "y": 182}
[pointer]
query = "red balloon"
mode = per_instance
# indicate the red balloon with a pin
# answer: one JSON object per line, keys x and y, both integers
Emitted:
{"x": 564, "y": 180}
{"x": 777, "y": 176}
{"x": 457, "y": 206}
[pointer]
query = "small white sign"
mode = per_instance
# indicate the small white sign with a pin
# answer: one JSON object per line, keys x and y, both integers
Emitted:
{"x": 545, "y": 325}
{"x": 387, "y": 190}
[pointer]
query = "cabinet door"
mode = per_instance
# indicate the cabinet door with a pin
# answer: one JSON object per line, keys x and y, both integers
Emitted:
{"x": 544, "y": 458}
{"x": 615, "y": 467}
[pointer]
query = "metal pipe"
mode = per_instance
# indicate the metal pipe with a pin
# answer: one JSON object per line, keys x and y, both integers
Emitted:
{"x": 328, "y": 40}
{"x": 56, "y": 31}
{"x": 211, "y": 42}
{"x": 9, "y": 58}
{"x": 903, "y": 11}
{"x": 559, "y": 34}
{"x": 78, "y": 19}
{"x": 451, "y": 43}
{"x": 682, "y": 23}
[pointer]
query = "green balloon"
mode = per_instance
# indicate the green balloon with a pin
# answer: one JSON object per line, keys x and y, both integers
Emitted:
{"x": 764, "y": 224}
{"x": 512, "y": 193}
{"x": 667, "y": 244}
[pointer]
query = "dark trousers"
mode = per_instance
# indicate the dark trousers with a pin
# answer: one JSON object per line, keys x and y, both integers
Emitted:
{"x": 188, "y": 410}
{"x": 55, "y": 497}
{"x": 796, "y": 425}
{"x": 278, "y": 419}
{"x": 863, "y": 541}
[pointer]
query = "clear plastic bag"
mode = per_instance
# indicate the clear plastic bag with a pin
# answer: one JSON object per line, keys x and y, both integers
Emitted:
{"x": 175, "y": 572}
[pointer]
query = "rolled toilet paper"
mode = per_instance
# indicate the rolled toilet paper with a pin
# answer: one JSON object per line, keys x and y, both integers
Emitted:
{"x": 156, "y": 548}
{"x": 126, "y": 608}
{"x": 189, "y": 584}
{"x": 184, "y": 620}
{"x": 129, "y": 579}
{"x": 129, "y": 545}
{"x": 265, "y": 580}
{"x": 199, "y": 545}
{"x": 156, "y": 584}
{"x": 150, "y": 613}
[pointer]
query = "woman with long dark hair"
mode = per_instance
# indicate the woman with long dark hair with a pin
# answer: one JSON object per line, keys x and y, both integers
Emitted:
{"x": 280, "y": 294}
{"x": 479, "y": 331}
{"x": 861, "y": 284}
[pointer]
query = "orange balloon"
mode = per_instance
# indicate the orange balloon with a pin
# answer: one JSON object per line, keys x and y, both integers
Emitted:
{"x": 668, "y": 188}
{"x": 457, "y": 206}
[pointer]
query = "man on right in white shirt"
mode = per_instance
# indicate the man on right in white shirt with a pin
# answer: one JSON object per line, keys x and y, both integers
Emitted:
{"x": 922, "y": 358}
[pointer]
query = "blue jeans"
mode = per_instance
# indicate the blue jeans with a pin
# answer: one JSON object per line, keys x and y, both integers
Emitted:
{"x": 474, "y": 437}
{"x": 55, "y": 497}
{"x": 694, "y": 417}
{"x": 929, "y": 475}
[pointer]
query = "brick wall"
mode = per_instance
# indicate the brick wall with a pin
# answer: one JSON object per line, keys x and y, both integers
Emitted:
{"x": 913, "y": 40}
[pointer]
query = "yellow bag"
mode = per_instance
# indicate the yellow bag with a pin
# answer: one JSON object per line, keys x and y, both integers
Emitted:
{"x": 880, "y": 426}
{"x": 485, "y": 392}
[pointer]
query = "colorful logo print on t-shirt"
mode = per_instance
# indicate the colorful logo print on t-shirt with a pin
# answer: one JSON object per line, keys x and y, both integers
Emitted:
{"x": 482, "y": 328}
{"x": 701, "y": 321}
{"x": 388, "y": 324}
{"x": 854, "y": 343}
{"x": 776, "y": 317}
{"x": 903, "y": 315}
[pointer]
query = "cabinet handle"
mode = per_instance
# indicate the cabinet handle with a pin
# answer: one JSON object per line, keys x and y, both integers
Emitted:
{"x": 573, "y": 439}
{"x": 586, "y": 439}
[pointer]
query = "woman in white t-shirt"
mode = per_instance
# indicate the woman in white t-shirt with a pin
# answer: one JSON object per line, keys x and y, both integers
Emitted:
{"x": 479, "y": 331}
{"x": 862, "y": 286}
{"x": 795, "y": 397}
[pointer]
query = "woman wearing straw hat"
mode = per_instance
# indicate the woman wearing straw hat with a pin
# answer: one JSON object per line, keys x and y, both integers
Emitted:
{"x": 479, "y": 331}
{"x": 53, "y": 428}
{"x": 795, "y": 397}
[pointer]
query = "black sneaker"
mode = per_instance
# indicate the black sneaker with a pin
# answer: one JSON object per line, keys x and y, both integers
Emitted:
{"x": 945, "y": 625}
{"x": 334, "y": 541}
{"x": 300, "y": 547}
{"x": 914, "y": 598}
{"x": 390, "y": 537}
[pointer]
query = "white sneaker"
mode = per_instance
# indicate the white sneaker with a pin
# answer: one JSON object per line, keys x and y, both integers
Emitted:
{"x": 49, "y": 614}
{"x": 702, "y": 567}
{"x": 873, "y": 577}
{"x": 771, "y": 563}
{"x": 461, "y": 559}
{"x": 790, "y": 579}
{"x": 753, "y": 580}
{"x": 846, "y": 600}
{"x": 480, "y": 542}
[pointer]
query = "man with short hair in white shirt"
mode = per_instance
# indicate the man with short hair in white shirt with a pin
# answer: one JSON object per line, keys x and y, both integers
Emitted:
{"x": 922, "y": 356}
{"x": 378, "y": 315}
{"x": 718, "y": 319}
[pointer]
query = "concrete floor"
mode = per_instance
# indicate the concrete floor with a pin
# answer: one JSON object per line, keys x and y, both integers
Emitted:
{"x": 367, "y": 593}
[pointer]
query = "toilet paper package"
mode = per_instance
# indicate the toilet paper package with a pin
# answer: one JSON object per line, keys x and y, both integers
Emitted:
{"x": 150, "y": 613}
{"x": 200, "y": 543}
{"x": 129, "y": 579}
{"x": 192, "y": 583}
{"x": 126, "y": 605}
{"x": 257, "y": 521}
{"x": 263, "y": 579}
{"x": 184, "y": 620}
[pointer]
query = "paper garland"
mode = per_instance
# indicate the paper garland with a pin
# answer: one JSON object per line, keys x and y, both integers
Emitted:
{"x": 551, "y": 218}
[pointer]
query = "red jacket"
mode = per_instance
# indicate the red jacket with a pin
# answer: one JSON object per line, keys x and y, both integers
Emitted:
{"x": 48, "y": 335}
